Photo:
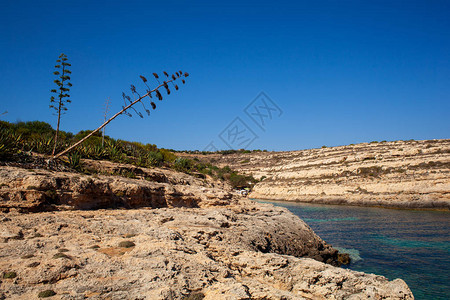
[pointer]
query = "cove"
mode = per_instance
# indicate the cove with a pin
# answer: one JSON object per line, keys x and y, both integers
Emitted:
{"x": 412, "y": 245}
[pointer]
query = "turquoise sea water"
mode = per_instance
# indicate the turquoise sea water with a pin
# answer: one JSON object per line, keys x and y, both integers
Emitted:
{"x": 409, "y": 244}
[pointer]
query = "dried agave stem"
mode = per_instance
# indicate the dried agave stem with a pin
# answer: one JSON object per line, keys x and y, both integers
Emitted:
{"x": 109, "y": 120}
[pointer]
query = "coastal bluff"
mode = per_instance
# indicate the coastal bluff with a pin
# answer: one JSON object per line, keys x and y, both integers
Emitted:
{"x": 400, "y": 174}
{"x": 160, "y": 234}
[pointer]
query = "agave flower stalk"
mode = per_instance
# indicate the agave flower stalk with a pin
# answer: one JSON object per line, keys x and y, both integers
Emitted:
{"x": 123, "y": 111}
{"x": 62, "y": 92}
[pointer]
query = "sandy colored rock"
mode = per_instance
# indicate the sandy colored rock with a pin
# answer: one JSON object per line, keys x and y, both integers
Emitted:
{"x": 37, "y": 190}
{"x": 166, "y": 236}
{"x": 232, "y": 252}
{"x": 401, "y": 174}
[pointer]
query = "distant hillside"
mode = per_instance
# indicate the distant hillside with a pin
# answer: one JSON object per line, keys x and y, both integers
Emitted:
{"x": 403, "y": 174}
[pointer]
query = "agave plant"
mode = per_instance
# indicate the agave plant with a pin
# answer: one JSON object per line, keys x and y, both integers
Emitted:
{"x": 114, "y": 151}
{"x": 129, "y": 149}
{"x": 92, "y": 151}
{"x": 182, "y": 164}
{"x": 75, "y": 160}
{"x": 42, "y": 144}
{"x": 154, "y": 159}
{"x": 141, "y": 161}
{"x": 10, "y": 142}
{"x": 85, "y": 151}
{"x": 98, "y": 152}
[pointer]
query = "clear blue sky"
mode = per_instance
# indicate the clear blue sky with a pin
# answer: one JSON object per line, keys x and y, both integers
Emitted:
{"x": 341, "y": 71}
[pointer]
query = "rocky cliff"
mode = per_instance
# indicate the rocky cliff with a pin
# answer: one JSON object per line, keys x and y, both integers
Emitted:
{"x": 170, "y": 236}
{"x": 402, "y": 174}
{"x": 33, "y": 190}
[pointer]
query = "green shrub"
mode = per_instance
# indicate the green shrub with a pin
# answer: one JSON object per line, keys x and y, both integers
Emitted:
{"x": 194, "y": 296}
{"x": 84, "y": 133}
{"x": 33, "y": 128}
{"x": 203, "y": 168}
{"x": 167, "y": 155}
{"x": 46, "y": 294}
{"x": 226, "y": 169}
{"x": 241, "y": 181}
{"x": 5, "y": 125}
{"x": 150, "y": 147}
{"x": 141, "y": 161}
{"x": 370, "y": 171}
{"x": 226, "y": 152}
{"x": 9, "y": 275}
{"x": 119, "y": 194}
{"x": 183, "y": 164}
{"x": 128, "y": 174}
{"x": 134, "y": 149}
{"x": 154, "y": 159}
{"x": 35, "y": 136}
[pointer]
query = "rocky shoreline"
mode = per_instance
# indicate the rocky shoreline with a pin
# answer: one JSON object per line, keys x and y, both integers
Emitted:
{"x": 381, "y": 202}
{"x": 401, "y": 174}
{"x": 161, "y": 235}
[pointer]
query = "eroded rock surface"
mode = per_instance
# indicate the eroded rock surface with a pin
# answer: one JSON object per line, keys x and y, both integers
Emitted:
{"x": 38, "y": 190}
{"x": 402, "y": 174}
{"x": 164, "y": 235}
{"x": 219, "y": 252}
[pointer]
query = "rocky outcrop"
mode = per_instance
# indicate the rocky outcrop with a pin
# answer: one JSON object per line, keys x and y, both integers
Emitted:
{"x": 43, "y": 190}
{"x": 38, "y": 189}
{"x": 401, "y": 174}
{"x": 189, "y": 239}
{"x": 222, "y": 252}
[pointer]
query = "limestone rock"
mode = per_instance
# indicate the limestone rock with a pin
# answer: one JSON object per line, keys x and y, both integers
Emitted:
{"x": 218, "y": 252}
{"x": 401, "y": 174}
{"x": 38, "y": 190}
{"x": 185, "y": 237}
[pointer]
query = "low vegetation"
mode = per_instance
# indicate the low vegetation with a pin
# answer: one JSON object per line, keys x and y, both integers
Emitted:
{"x": 46, "y": 294}
{"x": 194, "y": 296}
{"x": 19, "y": 140}
{"x": 9, "y": 275}
{"x": 223, "y": 152}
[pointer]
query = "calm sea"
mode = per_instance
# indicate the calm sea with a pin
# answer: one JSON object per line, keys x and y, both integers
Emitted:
{"x": 408, "y": 244}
